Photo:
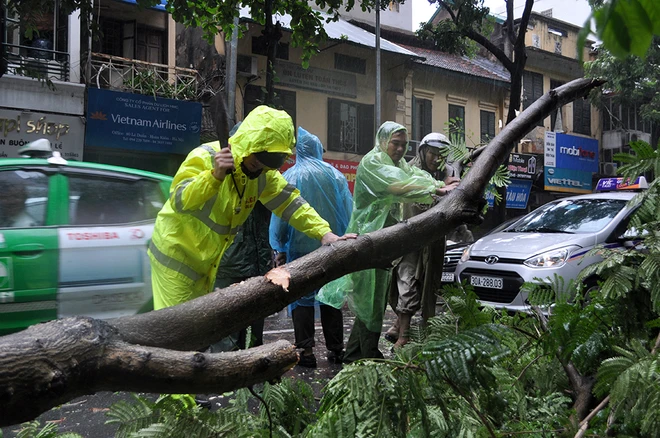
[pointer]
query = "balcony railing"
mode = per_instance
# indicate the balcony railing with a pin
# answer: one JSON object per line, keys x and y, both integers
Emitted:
{"x": 135, "y": 76}
{"x": 36, "y": 62}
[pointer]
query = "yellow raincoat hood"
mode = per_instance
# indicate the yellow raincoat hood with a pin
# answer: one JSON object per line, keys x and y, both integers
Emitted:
{"x": 264, "y": 130}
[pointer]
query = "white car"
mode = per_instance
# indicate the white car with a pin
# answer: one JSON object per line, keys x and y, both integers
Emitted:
{"x": 553, "y": 239}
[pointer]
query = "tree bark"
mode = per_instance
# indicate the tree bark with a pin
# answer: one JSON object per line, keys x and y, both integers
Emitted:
{"x": 53, "y": 362}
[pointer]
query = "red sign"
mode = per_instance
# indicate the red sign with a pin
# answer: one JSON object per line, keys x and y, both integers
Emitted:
{"x": 348, "y": 168}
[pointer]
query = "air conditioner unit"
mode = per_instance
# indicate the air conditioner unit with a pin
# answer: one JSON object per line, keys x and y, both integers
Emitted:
{"x": 111, "y": 76}
{"x": 246, "y": 65}
{"x": 608, "y": 169}
{"x": 629, "y": 137}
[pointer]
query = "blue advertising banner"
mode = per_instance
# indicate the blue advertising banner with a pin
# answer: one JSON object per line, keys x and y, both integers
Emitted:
{"x": 160, "y": 6}
{"x": 571, "y": 152}
{"x": 517, "y": 193}
{"x": 135, "y": 121}
{"x": 566, "y": 180}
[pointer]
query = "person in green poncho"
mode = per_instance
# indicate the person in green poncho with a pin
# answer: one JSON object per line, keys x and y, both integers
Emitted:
{"x": 383, "y": 181}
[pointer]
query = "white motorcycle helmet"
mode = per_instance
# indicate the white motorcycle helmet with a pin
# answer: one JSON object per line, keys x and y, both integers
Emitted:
{"x": 440, "y": 142}
{"x": 435, "y": 140}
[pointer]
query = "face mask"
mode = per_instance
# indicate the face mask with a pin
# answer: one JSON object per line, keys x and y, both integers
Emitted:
{"x": 251, "y": 175}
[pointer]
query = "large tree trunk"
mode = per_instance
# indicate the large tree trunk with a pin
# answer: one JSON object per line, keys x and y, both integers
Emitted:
{"x": 51, "y": 363}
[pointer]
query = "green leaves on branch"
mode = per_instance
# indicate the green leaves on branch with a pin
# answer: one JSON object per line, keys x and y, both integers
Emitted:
{"x": 625, "y": 26}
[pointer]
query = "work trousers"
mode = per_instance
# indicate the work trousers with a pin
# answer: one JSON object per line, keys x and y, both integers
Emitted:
{"x": 332, "y": 322}
{"x": 362, "y": 343}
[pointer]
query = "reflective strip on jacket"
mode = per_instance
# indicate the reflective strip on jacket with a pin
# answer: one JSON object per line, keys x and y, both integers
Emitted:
{"x": 200, "y": 219}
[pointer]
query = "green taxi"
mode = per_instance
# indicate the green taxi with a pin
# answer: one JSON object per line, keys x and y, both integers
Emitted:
{"x": 73, "y": 238}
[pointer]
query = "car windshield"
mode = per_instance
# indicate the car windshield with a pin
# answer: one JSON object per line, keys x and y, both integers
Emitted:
{"x": 570, "y": 216}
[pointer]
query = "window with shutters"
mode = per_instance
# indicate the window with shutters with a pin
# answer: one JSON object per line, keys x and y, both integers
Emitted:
{"x": 284, "y": 100}
{"x": 553, "y": 116}
{"x": 487, "y": 126}
{"x": 457, "y": 122}
{"x": 350, "y": 127}
{"x": 150, "y": 44}
{"x": 532, "y": 89}
{"x": 422, "y": 116}
{"x": 582, "y": 116}
{"x": 350, "y": 63}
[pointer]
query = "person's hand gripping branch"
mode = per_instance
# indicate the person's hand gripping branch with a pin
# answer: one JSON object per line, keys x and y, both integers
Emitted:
{"x": 224, "y": 163}
{"x": 451, "y": 182}
{"x": 329, "y": 238}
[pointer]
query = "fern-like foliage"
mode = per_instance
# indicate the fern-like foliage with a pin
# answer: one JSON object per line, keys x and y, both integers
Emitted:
{"x": 632, "y": 380}
{"x": 34, "y": 429}
{"x": 179, "y": 416}
{"x": 291, "y": 402}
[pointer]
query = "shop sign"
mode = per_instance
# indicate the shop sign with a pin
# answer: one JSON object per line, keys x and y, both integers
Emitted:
{"x": 517, "y": 194}
{"x": 523, "y": 166}
{"x": 348, "y": 168}
{"x": 18, "y": 128}
{"x": 135, "y": 121}
{"x": 330, "y": 82}
{"x": 566, "y": 151}
{"x": 566, "y": 180}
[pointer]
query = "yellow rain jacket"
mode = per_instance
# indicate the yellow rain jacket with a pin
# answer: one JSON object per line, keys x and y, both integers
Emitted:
{"x": 202, "y": 215}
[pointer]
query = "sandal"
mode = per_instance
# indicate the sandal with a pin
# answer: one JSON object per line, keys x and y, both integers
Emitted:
{"x": 391, "y": 336}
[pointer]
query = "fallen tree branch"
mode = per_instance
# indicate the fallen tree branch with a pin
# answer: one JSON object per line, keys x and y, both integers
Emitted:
{"x": 49, "y": 364}
{"x": 53, "y": 362}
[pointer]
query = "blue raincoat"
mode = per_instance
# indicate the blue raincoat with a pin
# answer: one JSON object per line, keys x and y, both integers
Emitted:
{"x": 325, "y": 189}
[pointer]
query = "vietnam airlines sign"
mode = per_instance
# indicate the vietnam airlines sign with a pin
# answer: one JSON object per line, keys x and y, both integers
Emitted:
{"x": 134, "y": 121}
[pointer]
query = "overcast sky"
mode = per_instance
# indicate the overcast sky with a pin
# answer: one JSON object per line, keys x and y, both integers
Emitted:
{"x": 571, "y": 11}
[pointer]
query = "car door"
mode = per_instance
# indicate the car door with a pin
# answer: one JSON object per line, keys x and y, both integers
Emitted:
{"x": 104, "y": 269}
{"x": 28, "y": 249}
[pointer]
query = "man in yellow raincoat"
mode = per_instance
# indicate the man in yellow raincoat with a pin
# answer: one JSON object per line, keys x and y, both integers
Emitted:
{"x": 213, "y": 193}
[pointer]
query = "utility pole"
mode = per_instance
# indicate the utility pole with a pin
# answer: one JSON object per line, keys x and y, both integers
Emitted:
{"x": 377, "y": 114}
{"x": 230, "y": 77}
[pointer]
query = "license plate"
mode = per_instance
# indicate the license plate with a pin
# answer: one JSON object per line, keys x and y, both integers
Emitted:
{"x": 447, "y": 277}
{"x": 488, "y": 282}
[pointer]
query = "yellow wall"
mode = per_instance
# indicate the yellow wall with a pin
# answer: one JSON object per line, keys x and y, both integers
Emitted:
{"x": 537, "y": 136}
{"x": 399, "y": 82}
{"x": 538, "y": 32}
{"x": 474, "y": 94}
{"x": 312, "y": 106}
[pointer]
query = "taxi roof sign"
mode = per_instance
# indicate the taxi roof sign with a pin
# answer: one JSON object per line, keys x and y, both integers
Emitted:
{"x": 612, "y": 184}
{"x": 36, "y": 149}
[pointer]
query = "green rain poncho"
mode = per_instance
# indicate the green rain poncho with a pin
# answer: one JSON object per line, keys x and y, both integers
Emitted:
{"x": 380, "y": 188}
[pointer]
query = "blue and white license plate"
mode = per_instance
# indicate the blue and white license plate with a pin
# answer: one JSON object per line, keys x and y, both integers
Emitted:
{"x": 487, "y": 282}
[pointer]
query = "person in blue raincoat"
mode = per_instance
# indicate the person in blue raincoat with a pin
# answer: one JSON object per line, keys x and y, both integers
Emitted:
{"x": 326, "y": 190}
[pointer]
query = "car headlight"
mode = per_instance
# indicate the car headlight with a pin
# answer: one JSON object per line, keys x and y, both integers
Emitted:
{"x": 550, "y": 259}
{"x": 466, "y": 254}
